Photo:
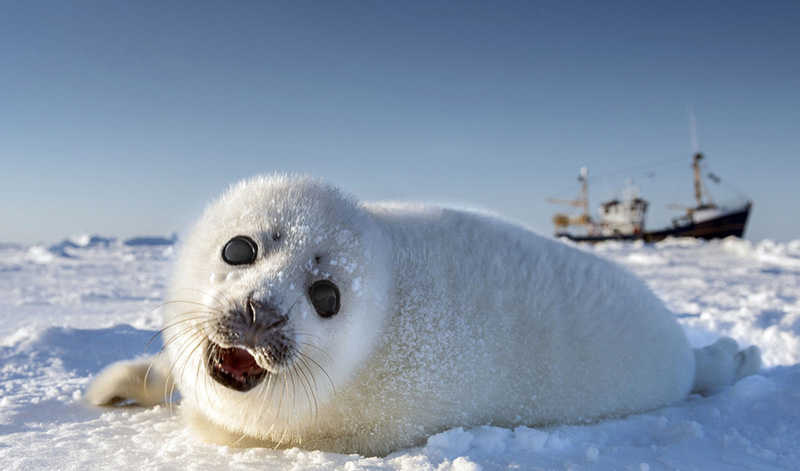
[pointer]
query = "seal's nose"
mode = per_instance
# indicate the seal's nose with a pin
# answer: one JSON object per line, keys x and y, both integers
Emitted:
{"x": 263, "y": 315}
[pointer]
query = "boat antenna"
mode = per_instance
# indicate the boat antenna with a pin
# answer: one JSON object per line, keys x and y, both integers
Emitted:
{"x": 699, "y": 189}
{"x": 584, "y": 179}
{"x": 695, "y": 148}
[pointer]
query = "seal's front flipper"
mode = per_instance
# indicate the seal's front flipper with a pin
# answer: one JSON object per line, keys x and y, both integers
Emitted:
{"x": 722, "y": 364}
{"x": 144, "y": 382}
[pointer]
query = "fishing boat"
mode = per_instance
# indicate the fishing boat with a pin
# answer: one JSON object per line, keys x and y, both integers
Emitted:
{"x": 624, "y": 219}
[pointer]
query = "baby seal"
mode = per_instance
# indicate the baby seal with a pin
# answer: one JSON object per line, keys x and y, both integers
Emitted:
{"x": 298, "y": 316}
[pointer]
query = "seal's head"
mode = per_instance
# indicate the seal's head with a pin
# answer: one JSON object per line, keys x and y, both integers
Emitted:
{"x": 275, "y": 301}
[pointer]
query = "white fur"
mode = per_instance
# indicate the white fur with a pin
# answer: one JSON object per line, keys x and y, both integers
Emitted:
{"x": 448, "y": 319}
{"x": 722, "y": 364}
{"x": 140, "y": 382}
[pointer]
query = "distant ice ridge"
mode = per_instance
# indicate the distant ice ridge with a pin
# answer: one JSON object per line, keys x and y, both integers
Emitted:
{"x": 73, "y": 246}
{"x": 152, "y": 241}
{"x": 89, "y": 240}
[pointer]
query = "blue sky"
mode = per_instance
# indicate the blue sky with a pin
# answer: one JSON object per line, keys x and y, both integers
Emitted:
{"x": 126, "y": 118}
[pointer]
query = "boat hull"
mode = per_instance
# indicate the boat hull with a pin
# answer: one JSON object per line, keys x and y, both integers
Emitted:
{"x": 729, "y": 224}
{"x": 732, "y": 223}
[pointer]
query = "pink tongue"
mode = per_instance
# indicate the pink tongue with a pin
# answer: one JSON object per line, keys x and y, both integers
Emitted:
{"x": 239, "y": 362}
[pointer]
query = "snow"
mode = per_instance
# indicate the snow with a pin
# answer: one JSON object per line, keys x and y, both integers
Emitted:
{"x": 69, "y": 309}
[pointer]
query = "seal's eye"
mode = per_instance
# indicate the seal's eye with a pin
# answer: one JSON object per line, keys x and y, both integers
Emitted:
{"x": 325, "y": 298}
{"x": 239, "y": 251}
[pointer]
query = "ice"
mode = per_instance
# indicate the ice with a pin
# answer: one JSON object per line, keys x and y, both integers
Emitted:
{"x": 70, "y": 308}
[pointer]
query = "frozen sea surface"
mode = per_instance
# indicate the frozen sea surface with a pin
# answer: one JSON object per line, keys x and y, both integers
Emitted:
{"x": 68, "y": 309}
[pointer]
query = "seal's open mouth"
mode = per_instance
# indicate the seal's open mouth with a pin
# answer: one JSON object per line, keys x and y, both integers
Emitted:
{"x": 234, "y": 367}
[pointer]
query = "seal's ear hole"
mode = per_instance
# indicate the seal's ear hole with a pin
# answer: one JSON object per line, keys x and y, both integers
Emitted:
{"x": 325, "y": 298}
{"x": 239, "y": 251}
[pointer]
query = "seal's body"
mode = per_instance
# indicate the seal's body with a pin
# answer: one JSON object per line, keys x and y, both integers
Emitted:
{"x": 299, "y": 317}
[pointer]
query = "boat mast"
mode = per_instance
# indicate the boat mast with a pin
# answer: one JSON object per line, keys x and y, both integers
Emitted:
{"x": 584, "y": 179}
{"x": 561, "y": 221}
{"x": 698, "y": 184}
{"x": 698, "y": 190}
{"x": 698, "y": 180}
